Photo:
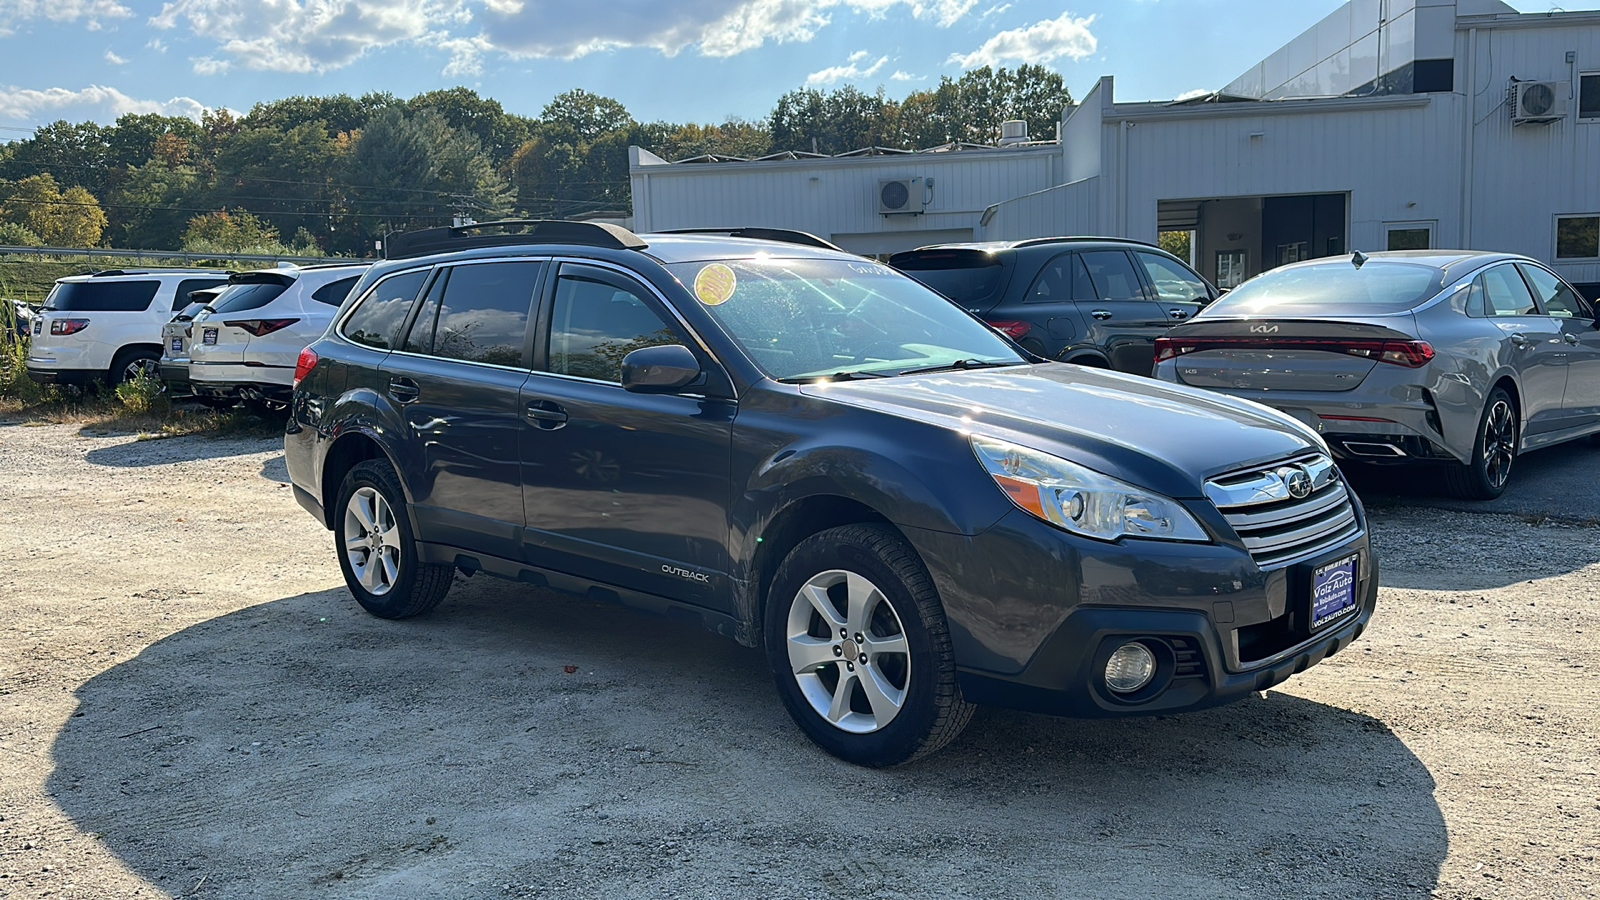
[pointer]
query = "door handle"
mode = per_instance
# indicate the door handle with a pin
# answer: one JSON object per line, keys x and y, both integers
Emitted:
{"x": 404, "y": 390}
{"x": 1520, "y": 340}
{"x": 1101, "y": 313}
{"x": 1178, "y": 313}
{"x": 547, "y": 415}
{"x": 1570, "y": 338}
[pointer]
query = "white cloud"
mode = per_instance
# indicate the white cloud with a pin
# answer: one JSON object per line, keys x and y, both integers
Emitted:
{"x": 305, "y": 35}
{"x": 466, "y": 56}
{"x": 25, "y": 103}
{"x": 157, "y": 45}
{"x": 903, "y": 75}
{"x": 15, "y": 11}
{"x": 1040, "y": 42}
{"x": 851, "y": 70}
{"x": 206, "y": 65}
{"x": 994, "y": 10}
{"x": 114, "y": 59}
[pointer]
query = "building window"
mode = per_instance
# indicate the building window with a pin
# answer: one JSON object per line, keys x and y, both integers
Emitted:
{"x": 1589, "y": 96}
{"x": 1230, "y": 268}
{"x": 1578, "y": 237}
{"x": 1292, "y": 253}
{"x": 1420, "y": 238}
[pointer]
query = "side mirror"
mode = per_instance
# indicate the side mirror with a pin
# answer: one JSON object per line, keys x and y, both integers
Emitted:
{"x": 659, "y": 370}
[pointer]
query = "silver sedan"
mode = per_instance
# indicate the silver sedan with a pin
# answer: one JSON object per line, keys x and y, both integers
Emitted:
{"x": 1458, "y": 358}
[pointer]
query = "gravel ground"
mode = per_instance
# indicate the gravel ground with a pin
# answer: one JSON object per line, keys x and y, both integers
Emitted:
{"x": 191, "y": 706}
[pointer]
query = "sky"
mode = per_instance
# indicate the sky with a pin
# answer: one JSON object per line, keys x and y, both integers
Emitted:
{"x": 675, "y": 60}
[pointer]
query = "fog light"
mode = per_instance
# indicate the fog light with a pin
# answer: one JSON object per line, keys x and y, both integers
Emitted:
{"x": 1130, "y": 668}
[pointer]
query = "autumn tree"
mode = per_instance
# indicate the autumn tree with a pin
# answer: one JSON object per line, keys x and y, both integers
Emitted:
{"x": 228, "y": 231}
{"x": 59, "y": 218}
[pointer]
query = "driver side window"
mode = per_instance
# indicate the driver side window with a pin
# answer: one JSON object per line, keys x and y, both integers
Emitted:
{"x": 1173, "y": 282}
{"x": 1555, "y": 296}
{"x": 596, "y": 320}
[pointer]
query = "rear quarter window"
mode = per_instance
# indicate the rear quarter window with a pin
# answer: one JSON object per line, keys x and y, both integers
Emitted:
{"x": 189, "y": 286}
{"x": 103, "y": 296}
{"x": 1332, "y": 289}
{"x": 378, "y": 316}
{"x": 334, "y": 292}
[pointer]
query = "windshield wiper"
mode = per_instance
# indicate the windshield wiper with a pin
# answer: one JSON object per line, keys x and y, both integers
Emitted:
{"x": 836, "y": 376}
{"x": 961, "y": 364}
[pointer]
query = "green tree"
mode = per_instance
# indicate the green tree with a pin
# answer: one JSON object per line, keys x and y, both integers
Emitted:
{"x": 499, "y": 132}
{"x": 286, "y": 176}
{"x": 235, "y": 231}
{"x": 60, "y": 218}
{"x": 154, "y": 204}
{"x": 588, "y": 115}
{"x": 14, "y": 235}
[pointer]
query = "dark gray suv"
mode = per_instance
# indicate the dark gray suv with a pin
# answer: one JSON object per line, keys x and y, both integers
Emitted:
{"x": 1092, "y": 301}
{"x": 814, "y": 454}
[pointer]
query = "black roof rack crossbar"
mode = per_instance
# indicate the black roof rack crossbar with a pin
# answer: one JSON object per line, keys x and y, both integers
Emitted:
{"x": 1036, "y": 242}
{"x": 785, "y": 235}
{"x": 404, "y": 245}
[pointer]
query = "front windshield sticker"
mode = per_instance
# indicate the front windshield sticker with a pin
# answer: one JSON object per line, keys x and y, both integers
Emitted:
{"x": 715, "y": 284}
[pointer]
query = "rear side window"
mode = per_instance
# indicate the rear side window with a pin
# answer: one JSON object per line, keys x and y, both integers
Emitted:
{"x": 1555, "y": 296}
{"x": 241, "y": 297}
{"x": 379, "y": 315}
{"x": 189, "y": 286}
{"x": 1173, "y": 281}
{"x": 334, "y": 292}
{"x": 598, "y": 319}
{"x": 1113, "y": 275}
{"x": 103, "y": 296}
{"x": 1332, "y": 288}
{"x": 1505, "y": 293}
{"x": 477, "y": 313}
{"x": 1062, "y": 279}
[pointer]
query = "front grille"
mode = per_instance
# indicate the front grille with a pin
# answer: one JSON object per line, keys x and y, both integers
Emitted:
{"x": 1190, "y": 664}
{"x": 1277, "y": 527}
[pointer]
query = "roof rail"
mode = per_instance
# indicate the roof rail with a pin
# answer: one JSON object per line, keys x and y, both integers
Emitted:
{"x": 152, "y": 270}
{"x": 784, "y": 235}
{"x": 1036, "y": 242}
{"x": 404, "y": 245}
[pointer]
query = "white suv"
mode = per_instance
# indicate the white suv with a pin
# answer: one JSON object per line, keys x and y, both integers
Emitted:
{"x": 107, "y": 326}
{"x": 244, "y": 346}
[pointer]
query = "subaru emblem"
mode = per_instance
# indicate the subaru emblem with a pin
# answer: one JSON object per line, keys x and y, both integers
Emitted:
{"x": 1297, "y": 479}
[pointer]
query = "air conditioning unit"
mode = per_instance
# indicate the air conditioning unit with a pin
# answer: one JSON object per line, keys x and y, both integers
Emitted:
{"x": 902, "y": 196}
{"x": 1539, "y": 101}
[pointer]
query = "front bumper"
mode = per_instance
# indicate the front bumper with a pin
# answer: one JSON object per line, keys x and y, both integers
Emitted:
{"x": 1035, "y": 612}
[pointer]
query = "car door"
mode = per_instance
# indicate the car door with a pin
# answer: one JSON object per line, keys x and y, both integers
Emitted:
{"x": 457, "y": 377}
{"x": 625, "y": 488}
{"x": 1581, "y": 331}
{"x": 1178, "y": 290}
{"x": 1121, "y": 318}
{"x": 1049, "y": 304}
{"x": 1532, "y": 344}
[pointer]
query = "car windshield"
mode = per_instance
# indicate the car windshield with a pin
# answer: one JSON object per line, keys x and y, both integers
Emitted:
{"x": 801, "y": 319}
{"x": 1332, "y": 288}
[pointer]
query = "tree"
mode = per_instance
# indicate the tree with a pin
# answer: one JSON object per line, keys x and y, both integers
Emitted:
{"x": 286, "y": 176}
{"x": 14, "y": 235}
{"x": 70, "y": 218}
{"x": 499, "y": 133}
{"x": 228, "y": 232}
{"x": 588, "y": 115}
{"x": 154, "y": 203}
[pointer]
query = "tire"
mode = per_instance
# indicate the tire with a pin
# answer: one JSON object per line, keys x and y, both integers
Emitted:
{"x": 897, "y": 610}
{"x": 127, "y": 362}
{"x": 380, "y": 564}
{"x": 1493, "y": 451}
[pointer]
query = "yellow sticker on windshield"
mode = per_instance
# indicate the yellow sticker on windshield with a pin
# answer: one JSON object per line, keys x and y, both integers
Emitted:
{"x": 715, "y": 284}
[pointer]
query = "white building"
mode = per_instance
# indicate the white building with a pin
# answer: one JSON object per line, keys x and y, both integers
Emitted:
{"x": 1391, "y": 123}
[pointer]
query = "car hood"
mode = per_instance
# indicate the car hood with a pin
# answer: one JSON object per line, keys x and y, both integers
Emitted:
{"x": 1162, "y": 437}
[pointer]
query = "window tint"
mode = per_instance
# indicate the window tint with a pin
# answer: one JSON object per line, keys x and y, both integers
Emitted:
{"x": 1331, "y": 288}
{"x": 102, "y": 296}
{"x": 1113, "y": 275}
{"x": 477, "y": 313}
{"x": 334, "y": 292}
{"x": 969, "y": 278}
{"x": 1589, "y": 96}
{"x": 379, "y": 315}
{"x": 1174, "y": 282}
{"x": 1555, "y": 296}
{"x": 1505, "y": 293}
{"x": 241, "y": 297}
{"x": 1055, "y": 281}
{"x": 189, "y": 286}
{"x": 598, "y": 319}
{"x": 1577, "y": 237}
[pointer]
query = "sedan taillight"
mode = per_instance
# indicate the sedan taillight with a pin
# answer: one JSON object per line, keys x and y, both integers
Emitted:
{"x": 259, "y": 327}
{"x": 68, "y": 326}
{"x": 1013, "y": 329}
{"x": 304, "y": 365}
{"x": 1411, "y": 354}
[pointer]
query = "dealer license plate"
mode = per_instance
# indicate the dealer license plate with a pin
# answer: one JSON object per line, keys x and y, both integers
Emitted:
{"x": 1333, "y": 591}
{"x": 209, "y": 337}
{"x": 177, "y": 345}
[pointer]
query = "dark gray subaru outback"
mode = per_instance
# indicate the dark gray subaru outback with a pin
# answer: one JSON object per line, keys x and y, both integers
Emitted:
{"x": 817, "y": 455}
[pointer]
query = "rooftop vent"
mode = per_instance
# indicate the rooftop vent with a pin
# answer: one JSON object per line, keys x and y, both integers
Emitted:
{"x": 1013, "y": 131}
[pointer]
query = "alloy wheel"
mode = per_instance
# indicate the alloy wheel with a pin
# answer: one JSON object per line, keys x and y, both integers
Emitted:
{"x": 372, "y": 541}
{"x": 144, "y": 366}
{"x": 848, "y": 651}
{"x": 1499, "y": 443}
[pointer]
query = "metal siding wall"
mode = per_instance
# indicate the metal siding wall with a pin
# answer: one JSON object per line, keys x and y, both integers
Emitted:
{"x": 1525, "y": 175}
{"x": 1068, "y": 209}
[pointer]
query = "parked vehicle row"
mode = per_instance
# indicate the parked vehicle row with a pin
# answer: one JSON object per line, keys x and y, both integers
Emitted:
{"x": 219, "y": 335}
{"x": 815, "y": 454}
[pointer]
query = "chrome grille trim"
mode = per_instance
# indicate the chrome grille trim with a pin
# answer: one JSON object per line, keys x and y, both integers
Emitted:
{"x": 1277, "y": 528}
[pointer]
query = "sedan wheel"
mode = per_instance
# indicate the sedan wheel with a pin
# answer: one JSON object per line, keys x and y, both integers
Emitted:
{"x": 1485, "y": 477}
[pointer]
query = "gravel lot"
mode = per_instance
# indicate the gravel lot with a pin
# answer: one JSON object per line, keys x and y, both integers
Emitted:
{"x": 191, "y": 706}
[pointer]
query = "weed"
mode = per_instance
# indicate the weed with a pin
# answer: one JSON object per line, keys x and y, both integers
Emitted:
{"x": 144, "y": 395}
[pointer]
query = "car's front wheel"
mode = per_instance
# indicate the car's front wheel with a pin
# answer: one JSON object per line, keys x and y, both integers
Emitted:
{"x": 1486, "y": 475}
{"x": 859, "y": 648}
{"x": 377, "y": 552}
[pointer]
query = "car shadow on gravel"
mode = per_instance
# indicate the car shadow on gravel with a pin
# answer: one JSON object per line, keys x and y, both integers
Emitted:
{"x": 526, "y": 743}
{"x": 1555, "y": 482}
{"x": 137, "y": 454}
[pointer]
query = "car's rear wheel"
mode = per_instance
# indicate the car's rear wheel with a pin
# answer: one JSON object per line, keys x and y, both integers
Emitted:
{"x": 378, "y": 552}
{"x": 1486, "y": 475}
{"x": 130, "y": 364}
{"x": 859, "y": 648}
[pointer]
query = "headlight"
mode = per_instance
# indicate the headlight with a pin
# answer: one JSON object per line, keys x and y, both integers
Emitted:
{"x": 1080, "y": 500}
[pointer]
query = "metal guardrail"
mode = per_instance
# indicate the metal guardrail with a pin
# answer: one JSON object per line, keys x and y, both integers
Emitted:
{"x": 167, "y": 254}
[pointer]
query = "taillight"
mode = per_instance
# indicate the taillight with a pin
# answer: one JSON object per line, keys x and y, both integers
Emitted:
{"x": 259, "y": 327}
{"x": 304, "y": 365}
{"x": 1014, "y": 329}
{"x": 68, "y": 326}
{"x": 1411, "y": 354}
